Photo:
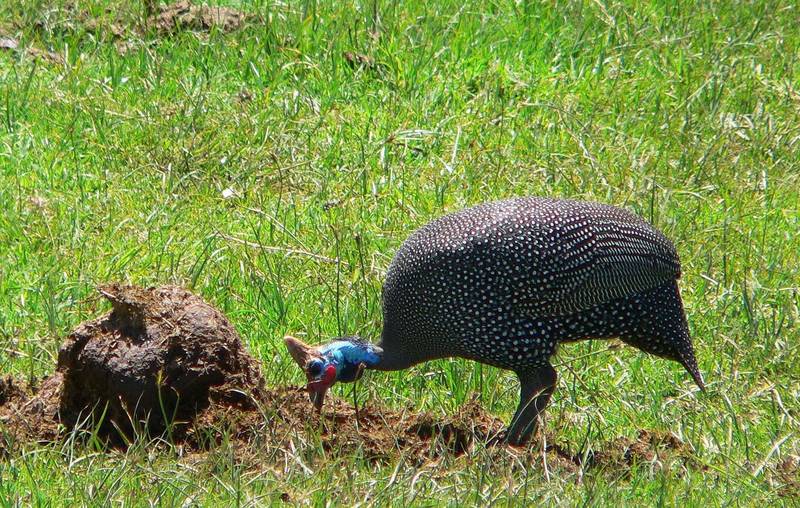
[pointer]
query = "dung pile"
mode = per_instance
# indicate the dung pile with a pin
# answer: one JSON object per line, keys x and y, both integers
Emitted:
{"x": 161, "y": 356}
{"x": 184, "y": 15}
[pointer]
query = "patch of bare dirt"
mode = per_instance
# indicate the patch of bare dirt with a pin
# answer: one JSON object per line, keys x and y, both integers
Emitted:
{"x": 30, "y": 414}
{"x": 126, "y": 32}
{"x": 98, "y": 27}
{"x": 787, "y": 477}
{"x": 8, "y": 43}
{"x": 10, "y": 390}
{"x": 358, "y": 61}
{"x": 184, "y": 15}
{"x": 11, "y": 44}
{"x": 286, "y": 417}
{"x": 657, "y": 448}
{"x": 361, "y": 62}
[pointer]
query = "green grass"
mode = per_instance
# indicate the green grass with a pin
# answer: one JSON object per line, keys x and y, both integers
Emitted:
{"x": 113, "y": 167}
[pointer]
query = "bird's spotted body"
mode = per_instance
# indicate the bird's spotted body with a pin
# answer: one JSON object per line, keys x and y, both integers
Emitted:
{"x": 506, "y": 282}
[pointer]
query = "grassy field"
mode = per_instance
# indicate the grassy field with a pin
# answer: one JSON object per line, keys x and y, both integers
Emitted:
{"x": 242, "y": 164}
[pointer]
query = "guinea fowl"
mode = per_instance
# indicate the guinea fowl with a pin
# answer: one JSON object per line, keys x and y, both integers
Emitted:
{"x": 504, "y": 284}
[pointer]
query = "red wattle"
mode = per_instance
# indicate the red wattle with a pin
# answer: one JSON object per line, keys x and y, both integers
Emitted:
{"x": 330, "y": 374}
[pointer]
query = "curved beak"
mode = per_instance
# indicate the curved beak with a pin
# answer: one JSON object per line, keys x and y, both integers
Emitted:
{"x": 319, "y": 388}
{"x": 317, "y": 397}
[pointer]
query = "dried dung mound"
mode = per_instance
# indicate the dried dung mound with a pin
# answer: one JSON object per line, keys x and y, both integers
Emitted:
{"x": 184, "y": 15}
{"x": 160, "y": 355}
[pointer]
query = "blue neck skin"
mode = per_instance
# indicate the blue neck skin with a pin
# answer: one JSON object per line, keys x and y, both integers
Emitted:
{"x": 347, "y": 355}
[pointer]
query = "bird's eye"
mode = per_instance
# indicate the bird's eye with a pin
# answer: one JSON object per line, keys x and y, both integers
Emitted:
{"x": 315, "y": 368}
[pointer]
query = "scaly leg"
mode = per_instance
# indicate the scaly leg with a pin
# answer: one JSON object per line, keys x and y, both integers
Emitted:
{"x": 536, "y": 388}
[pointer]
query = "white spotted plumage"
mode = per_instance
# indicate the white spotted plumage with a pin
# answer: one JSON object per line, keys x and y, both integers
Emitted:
{"x": 505, "y": 282}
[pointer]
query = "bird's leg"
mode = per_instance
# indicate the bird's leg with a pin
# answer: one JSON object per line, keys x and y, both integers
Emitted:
{"x": 359, "y": 372}
{"x": 536, "y": 387}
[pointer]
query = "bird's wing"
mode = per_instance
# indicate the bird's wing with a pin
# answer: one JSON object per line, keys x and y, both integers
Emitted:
{"x": 588, "y": 264}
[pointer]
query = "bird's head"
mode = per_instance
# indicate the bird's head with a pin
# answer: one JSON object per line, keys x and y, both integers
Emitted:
{"x": 342, "y": 360}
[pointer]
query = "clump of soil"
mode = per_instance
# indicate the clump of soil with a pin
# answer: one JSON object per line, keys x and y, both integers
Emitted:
{"x": 159, "y": 358}
{"x": 286, "y": 421}
{"x": 787, "y": 476}
{"x": 160, "y": 355}
{"x": 11, "y": 44}
{"x": 657, "y": 448}
{"x": 29, "y": 413}
{"x": 184, "y": 15}
{"x": 10, "y": 390}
